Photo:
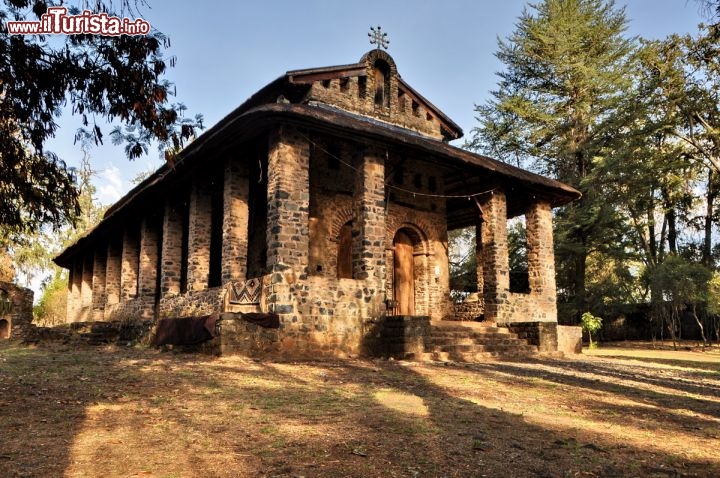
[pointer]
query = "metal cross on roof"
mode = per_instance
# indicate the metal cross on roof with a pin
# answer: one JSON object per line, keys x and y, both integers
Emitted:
{"x": 377, "y": 37}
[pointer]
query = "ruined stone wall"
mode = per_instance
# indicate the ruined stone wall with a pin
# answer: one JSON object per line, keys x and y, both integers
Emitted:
{"x": 15, "y": 311}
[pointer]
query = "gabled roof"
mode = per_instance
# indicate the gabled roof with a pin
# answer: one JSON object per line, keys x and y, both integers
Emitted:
{"x": 244, "y": 123}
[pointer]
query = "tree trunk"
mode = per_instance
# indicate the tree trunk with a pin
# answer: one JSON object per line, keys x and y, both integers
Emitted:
{"x": 700, "y": 324}
{"x": 580, "y": 292}
{"x": 707, "y": 242}
{"x": 672, "y": 230}
{"x": 671, "y": 220}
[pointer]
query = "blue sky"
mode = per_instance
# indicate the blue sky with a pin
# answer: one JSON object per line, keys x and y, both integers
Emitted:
{"x": 227, "y": 50}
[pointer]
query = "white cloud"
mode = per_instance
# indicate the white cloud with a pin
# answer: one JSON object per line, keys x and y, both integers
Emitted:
{"x": 110, "y": 185}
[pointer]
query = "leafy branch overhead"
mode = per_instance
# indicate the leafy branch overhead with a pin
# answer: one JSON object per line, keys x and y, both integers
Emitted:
{"x": 117, "y": 80}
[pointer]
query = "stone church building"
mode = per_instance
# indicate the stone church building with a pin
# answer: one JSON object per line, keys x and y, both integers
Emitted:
{"x": 326, "y": 198}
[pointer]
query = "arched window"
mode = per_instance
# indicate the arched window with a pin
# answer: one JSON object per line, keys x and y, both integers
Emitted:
{"x": 344, "y": 257}
{"x": 382, "y": 83}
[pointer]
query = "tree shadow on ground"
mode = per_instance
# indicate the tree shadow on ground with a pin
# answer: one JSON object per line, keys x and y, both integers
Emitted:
{"x": 661, "y": 391}
{"x": 116, "y": 412}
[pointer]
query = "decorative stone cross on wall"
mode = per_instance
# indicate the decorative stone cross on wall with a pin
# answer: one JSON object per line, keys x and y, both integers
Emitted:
{"x": 377, "y": 37}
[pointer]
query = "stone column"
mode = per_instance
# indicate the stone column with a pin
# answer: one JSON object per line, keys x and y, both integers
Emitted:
{"x": 541, "y": 260}
{"x": 236, "y": 192}
{"x": 171, "y": 254}
{"x": 74, "y": 301}
{"x": 369, "y": 226}
{"x": 199, "y": 231}
{"x": 112, "y": 272}
{"x": 130, "y": 262}
{"x": 149, "y": 258}
{"x": 496, "y": 274}
{"x": 479, "y": 259}
{"x": 287, "y": 215}
{"x": 86, "y": 290}
{"x": 288, "y": 199}
{"x": 98, "y": 283}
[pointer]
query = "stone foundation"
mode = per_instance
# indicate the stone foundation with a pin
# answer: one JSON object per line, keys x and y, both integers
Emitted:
{"x": 399, "y": 336}
{"x": 569, "y": 339}
{"x": 542, "y": 334}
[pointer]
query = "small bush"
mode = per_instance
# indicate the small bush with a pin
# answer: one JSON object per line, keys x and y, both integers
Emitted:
{"x": 591, "y": 324}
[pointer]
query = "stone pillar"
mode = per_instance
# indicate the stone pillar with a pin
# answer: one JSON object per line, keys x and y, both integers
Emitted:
{"x": 199, "y": 231}
{"x": 98, "y": 283}
{"x": 496, "y": 274}
{"x": 74, "y": 301}
{"x": 287, "y": 216}
{"x": 236, "y": 192}
{"x": 130, "y": 262}
{"x": 112, "y": 272}
{"x": 369, "y": 226}
{"x": 149, "y": 258}
{"x": 171, "y": 254}
{"x": 479, "y": 259}
{"x": 541, "y": 260}
{"x": 86, "y": 289}
{"x": 288, "y": 200}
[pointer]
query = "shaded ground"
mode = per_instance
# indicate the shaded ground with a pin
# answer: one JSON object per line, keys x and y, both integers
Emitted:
{"x": 622, "y": 411}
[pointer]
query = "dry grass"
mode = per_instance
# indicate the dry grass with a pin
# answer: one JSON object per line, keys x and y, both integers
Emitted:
{"x": 627, "y": 411}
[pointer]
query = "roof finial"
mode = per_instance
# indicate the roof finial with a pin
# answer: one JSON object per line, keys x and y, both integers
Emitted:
{"x": 377, "y": 37}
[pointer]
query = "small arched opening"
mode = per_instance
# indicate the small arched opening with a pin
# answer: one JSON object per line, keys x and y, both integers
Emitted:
{"x": 382, "y": 83}
{"x": 4, "y": 329}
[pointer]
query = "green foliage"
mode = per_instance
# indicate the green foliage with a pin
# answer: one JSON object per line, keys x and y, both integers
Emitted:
{"x": 463, "y": 262}
{"x": 677, "y": 283}
{"x": 567, "y": 66}
{"x": 713, "y": 299}
{"x": 51, "y": 308}
{"x": 116, "y": 79}
{"x": 590, "y": 324}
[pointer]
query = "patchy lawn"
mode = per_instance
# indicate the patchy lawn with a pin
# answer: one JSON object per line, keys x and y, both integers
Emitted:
{"x": 116, "y": 412}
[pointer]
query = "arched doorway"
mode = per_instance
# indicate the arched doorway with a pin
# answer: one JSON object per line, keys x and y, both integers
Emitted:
{"x": 4, "y": 329}
{"x": 404, "y": 274}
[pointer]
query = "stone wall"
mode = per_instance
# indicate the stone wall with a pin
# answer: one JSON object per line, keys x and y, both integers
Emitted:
{"x": 15, "y": 311}
{"x": 542, "y": 334}
{"x": 569, "y": 339}
{"x": 192, "y": 303}
{"x": 472, "y": 308}
{"x": 358, "y": 95}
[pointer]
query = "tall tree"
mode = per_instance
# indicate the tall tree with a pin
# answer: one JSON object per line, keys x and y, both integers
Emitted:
{"x": 120, "y": 79}
{"x": 566, "y": 67}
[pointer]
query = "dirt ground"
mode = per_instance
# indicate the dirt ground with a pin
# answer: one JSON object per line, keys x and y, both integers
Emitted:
{"x": 621, "y": 410}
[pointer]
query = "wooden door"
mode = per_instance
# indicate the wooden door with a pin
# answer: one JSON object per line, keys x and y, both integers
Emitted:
{"x": 404, "y": 275}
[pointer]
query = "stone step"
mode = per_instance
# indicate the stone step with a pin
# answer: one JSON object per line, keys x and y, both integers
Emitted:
{"x": 460, "y": 349}
{"x": 472, "y": 342}
{"x": 476, "y": 329}
{"x": 476, "y": 356}
{"x": 451, "y": 338}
